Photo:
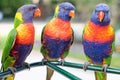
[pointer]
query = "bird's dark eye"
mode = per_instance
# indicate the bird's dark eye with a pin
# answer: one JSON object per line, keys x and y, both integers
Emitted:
{"x": 106, "y": 11}
{"x": 34, "y": 7}
{"x": 64, "y": 8}
{"x": 30, "y": 9}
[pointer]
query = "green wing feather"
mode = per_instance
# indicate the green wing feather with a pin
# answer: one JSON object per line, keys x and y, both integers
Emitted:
{"x": 88, "y": 58}
{"x": 43, "y": 50}
{"x": 11, "y": 37}
{"x": 108, "y": 60}
{"x": 113, "y": 44}
{"x": 72, "y": 37}
{"x": 84, "y": 31}
{"x": 66, "y": 52}
{"x": 42, "y": 34}
{"x": 8, "y": 46}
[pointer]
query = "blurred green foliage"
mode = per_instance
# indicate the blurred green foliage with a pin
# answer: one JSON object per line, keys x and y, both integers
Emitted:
{"x": 117, "y": 14}
{"x": 9, "y": 7}
{"x": 84, "y": 8}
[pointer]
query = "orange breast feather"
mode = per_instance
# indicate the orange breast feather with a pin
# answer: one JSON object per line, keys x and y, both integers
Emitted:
{"x": 59, "y": 29}
{"x": 97, "y": 33}
{"x": 25, "y": 34}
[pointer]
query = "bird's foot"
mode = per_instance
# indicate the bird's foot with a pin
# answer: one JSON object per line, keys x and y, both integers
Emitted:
{"x": 43, "y": 61}
{"x": 86, "y": 65}
{"x": 12, "y": 69}
{"x": 27, "y": 65}
{"x": 104, "y": 67}
{"x": 62, "y": 62}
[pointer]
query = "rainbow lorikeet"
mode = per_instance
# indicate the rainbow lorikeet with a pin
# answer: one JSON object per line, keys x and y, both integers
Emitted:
{"x": 20, "y": 39}
{"x": 98, "y": 39}
{"x": 57, "y": 35}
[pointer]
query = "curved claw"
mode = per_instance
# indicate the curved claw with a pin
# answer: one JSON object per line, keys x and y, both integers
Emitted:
{"x": 86, "y": 65}
{"x": 105, "y": 66}
{"x": 62, "y": 62}
{"x": 12, "y": 69}
{"x": 27, "y": 65}
{"x": 43, "y": 61}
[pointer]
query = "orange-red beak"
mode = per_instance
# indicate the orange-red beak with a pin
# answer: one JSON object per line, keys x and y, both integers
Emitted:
{"x": 72, "y": 13}
{"x": 101, "y": 15}
{"x": 37, "y": 12}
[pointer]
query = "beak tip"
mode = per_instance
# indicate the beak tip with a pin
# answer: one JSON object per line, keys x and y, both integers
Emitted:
{"x": 101, "y": 16}
{"x": 37, "y": 13}
{"x": 72, "y": 13}
{"x": 100, "y": 20}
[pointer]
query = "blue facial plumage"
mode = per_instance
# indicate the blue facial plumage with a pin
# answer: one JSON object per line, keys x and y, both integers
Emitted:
{"x": 27, "y": 12}
{"x": 64, "y": 9}
{"x": 101, "y": 7}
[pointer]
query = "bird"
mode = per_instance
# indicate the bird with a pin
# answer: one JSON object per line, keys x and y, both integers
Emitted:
{"x": 98, "y": 40}
{"x": 20, "y": 39}
{"x": 57, "y": 35}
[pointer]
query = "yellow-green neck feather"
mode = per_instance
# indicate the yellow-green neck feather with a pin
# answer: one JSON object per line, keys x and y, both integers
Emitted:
{"x": 18, "y": 19}
{"x": 56, "y": 11}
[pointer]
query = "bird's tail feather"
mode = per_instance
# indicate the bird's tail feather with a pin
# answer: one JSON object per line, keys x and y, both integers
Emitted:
{"x": 100, "y": 76}
{"x": 49, "y": 73}
{"x": 9, "y": 78}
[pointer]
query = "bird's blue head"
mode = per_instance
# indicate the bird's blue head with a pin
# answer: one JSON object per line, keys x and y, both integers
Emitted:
{"x": 65, "y": 11}
{"x": 101, "y": 15}
{"x": 27, "y": 12}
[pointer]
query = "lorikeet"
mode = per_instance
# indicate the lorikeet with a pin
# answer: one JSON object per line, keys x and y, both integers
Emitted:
{"x": 57, "y": 35}
{"x": 98, "y": 39}
{"x": 20, "y": 39}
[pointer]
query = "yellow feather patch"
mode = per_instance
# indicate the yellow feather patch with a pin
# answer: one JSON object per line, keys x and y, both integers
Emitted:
{"x": 56, "y": 10}
{"x": 9, "y": 78}
{"x": 18, "y": 16}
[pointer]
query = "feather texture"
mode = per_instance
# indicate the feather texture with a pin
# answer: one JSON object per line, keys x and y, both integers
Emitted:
{"x": 20, "y": 39}
{"x": 98, "y": 39}
{"x": 57, "y": 35}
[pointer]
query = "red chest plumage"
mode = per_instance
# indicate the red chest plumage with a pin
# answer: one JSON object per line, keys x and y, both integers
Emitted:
{"x": 25, "y": 34}
{"x": 96, "y": 33}
{"x": 57, "y": 28}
